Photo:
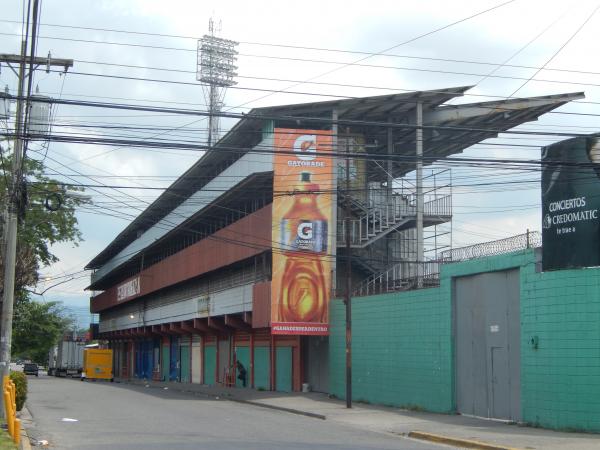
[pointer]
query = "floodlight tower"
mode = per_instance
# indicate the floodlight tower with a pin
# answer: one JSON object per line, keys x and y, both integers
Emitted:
{"x": 216, "y": 69}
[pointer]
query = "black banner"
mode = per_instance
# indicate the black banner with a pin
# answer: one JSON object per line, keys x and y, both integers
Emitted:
{"x": 571, "y": 204}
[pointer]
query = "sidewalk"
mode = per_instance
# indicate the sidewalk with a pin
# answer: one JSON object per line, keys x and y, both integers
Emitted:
{"x": 497, "y": 435}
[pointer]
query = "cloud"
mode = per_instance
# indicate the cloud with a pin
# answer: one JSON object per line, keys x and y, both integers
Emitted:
{"x": 351, "y": 25}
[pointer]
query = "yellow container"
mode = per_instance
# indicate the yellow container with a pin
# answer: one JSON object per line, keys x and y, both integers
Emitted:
{"x": 97, "y": 364}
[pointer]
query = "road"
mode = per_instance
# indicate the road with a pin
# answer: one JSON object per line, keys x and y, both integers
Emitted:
{"x": 125, "y": 417}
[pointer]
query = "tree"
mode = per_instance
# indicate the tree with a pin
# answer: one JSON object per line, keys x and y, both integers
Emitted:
{"x": 49, "y": 218}
{"x": 37, "y": 327}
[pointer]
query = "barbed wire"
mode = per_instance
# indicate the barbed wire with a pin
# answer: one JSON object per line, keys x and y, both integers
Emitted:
{"x": 531, "y": 239}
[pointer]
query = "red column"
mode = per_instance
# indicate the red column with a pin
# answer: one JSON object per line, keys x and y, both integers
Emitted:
{"x": 232, "y": 359}
{"x": 202, "y": 345}
{"x": 273, "y": 358}
{"x": 217, "y": 360}
{"x": 252, "y": 359}
{"x": 131, "y": 358}
{"x": 191, "y": 353}
{"x": 296, "y": 365}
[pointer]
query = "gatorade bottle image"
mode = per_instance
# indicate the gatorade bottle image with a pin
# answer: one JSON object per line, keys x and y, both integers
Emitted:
{"x": 303, "y": 244}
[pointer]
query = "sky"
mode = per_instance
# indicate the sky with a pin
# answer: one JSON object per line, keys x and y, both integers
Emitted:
{"x": 552, "y": 42}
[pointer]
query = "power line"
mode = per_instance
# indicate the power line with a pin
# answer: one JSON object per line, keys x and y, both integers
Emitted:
{"x": 559, "y": 49}
{"x": 321, "y": 120}
{"x": 301, "y": 47}
{"x": 520, "y": 50}
{"x": 314, "y": 94}
{"x": 357, "y": 86}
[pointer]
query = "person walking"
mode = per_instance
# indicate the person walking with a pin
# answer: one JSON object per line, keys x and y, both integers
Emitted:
{"x": 241, "y": 373}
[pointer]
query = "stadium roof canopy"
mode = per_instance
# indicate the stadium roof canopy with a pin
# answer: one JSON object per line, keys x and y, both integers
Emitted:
{"x": 449, "y": 129}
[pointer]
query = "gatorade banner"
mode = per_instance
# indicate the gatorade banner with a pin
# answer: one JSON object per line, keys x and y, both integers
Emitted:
{"x": 303, "y": 232}
{"x": 571, "y": 204}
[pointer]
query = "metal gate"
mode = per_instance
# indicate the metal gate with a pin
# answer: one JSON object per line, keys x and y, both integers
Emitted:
{"x": 487, "y": 332}
{"x": 317, "y": 363}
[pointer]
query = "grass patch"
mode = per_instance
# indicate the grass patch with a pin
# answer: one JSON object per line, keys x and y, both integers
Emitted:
{"x": 6, "y": 443}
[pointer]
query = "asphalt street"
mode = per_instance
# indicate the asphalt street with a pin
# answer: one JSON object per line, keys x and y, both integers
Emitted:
{"x": 71, "y": 414}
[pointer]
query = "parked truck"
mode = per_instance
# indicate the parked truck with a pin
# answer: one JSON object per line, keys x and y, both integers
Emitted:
{"x": 52, "y": 360}
{"x": 66, "y": 359}
{"x": 97, "y": 364}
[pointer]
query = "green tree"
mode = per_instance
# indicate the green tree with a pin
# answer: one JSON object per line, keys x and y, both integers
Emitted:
{"x": 49, "y": 218}
{"x": 36, "y": 328}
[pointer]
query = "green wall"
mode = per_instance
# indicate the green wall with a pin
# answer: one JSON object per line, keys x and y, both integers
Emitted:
{"x": 561, "y": 378}
{"x": 210, "y": 362}
{"x": 401, "y": 350}
{"x": 184, "y": 359}
{"x": 283, "y": 369}
{"x": 403, "y": 345}
{"x": 261, "y": 368}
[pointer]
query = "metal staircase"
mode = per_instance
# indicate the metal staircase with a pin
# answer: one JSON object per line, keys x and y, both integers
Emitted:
{"x": 398, "y": 211}
{"x": 382, "y": 233}
{"x": 401, "y": 276}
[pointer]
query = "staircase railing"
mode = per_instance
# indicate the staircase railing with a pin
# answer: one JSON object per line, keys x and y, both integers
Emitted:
{"x": 402, "y": 276}
{"x": 380, "y": 218}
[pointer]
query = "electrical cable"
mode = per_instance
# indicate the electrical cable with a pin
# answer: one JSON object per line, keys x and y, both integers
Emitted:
{"x": 521, "y": 49}
{"x": 589, "y": 17}
{"x": 403, "y": 43}
{"x": 319, "y": 120}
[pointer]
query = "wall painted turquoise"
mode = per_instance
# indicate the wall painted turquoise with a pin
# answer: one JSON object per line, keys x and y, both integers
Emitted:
{"x": 561, "y": 378}
{"x": 283, "y": 369}
{"x": 403, "y": 345}
{"x": 261, "y": 368}
{"x": 401, "y": 352}
{"x": 210, "y": 362}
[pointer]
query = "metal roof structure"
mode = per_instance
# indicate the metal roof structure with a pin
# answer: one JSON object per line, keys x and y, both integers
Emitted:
{"x": 457, "y": 127}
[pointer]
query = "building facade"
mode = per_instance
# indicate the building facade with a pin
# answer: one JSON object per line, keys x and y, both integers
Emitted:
{"x": 239, "y": 260}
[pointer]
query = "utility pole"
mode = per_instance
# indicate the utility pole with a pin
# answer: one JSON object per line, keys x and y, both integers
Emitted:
{"x": 13, "y": 200}
{"x": 420, "y": 199}
{"x": 348, "y": 299}
{"x": 11, "y": 217}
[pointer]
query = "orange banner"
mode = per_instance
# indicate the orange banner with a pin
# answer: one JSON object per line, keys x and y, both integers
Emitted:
{"x": 303, "y": 232}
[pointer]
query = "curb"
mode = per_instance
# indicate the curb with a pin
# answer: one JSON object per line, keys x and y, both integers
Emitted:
{"x": 464, "y": 443}
{"x": 280, "y": 408}
{"x": 25, "y": 444}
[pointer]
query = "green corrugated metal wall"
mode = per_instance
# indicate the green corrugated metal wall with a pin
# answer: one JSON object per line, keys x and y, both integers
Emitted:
{"x": 283, "y": 369}
{"x": 185, "y": 362}
{"x": 261, "y": 368}
{"x": 210, "y": 362}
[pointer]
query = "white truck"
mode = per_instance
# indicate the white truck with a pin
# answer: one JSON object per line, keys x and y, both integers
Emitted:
{"x": 66, "y": 359}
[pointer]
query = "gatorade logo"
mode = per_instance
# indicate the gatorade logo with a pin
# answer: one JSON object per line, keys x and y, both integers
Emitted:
{"x": 305, "y": 230}
{"x": 306, "y": 147}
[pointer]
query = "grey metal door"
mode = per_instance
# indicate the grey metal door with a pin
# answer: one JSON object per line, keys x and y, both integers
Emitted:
{"x": 487, "y": 338}
{"x": 317, "y": 362}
